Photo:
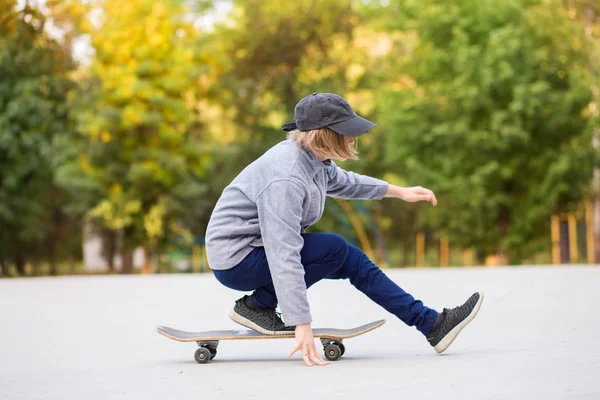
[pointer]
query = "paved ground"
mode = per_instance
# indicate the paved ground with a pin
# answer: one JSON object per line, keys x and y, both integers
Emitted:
{"x": 536, "y": 337}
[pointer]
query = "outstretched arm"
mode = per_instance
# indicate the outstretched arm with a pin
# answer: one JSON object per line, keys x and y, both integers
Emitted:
{"x": 350, "y": 185}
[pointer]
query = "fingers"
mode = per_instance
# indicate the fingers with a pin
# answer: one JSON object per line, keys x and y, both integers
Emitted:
{"x": 306, "y": 356}
{"x": 306, "y": 359}
{"x": 297, "y": 347}
{"x": 316, "y": 358}
{"x": 424, "y": 194}
{"x": 309, "y": 354}
{"x": 312, "y": 357}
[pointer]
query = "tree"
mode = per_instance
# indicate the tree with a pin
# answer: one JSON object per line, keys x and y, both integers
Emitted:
{"x": 487, "y": 109}
{"x": 34, "y": 119}
{"x": 139, "y": 167}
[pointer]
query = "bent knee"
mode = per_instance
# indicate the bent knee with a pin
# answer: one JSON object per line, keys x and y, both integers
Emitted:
{"x": 339, "y": 243}
{"x": 358, "y": 257}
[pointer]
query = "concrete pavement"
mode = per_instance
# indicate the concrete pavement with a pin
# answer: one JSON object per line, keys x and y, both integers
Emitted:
{"x": 536, "y": 337}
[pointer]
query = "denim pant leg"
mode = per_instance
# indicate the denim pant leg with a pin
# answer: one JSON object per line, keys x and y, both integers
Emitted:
{"x": 328, "y": 256}
{"x": 373, "y": 282}
{"x": 321, "y": 255}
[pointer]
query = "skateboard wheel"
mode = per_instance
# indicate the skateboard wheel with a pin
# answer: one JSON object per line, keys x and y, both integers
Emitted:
{"x": 332, "y": 352}
{"x": 202, "y": 355}
{"x": 212, "y": 349}
{"x": 213, "y": 353}
{"x": 342, "y": 348}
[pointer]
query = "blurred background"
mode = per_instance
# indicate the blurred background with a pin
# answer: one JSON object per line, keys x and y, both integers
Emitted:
{"x": 122, "y": 121}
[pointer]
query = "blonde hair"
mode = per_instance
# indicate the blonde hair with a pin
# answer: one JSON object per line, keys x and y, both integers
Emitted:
{"x": 325, "y": 144}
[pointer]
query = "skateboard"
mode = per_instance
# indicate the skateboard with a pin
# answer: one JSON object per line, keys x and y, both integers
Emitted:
{"x": 208, "y": 341}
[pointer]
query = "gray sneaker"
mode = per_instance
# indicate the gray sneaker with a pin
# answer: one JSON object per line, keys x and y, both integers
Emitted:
{"x": 265, "y": 321}
{"x": 452, "y": 321}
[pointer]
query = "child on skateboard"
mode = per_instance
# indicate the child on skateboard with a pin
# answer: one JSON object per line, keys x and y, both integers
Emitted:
{"x": 256, "y": 240}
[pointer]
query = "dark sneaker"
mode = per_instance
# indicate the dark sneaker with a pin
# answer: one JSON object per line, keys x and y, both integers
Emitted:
{"x": 452, "y": 321}
{"x": 265, "y": 321}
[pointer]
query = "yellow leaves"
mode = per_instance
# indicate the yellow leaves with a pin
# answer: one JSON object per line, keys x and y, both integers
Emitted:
{"x": 394, "y": 179}
{"x": 103, "y": 210}
{"x": 403, "y": 82}
{"x": 124, "y": 8}
{"x": 114, "y": 215}
{"x": 153, "y": 222}
{"x": 122, "y": 55}
{"x": 84, "y": 163}
{"x": 156, "y": 40}
{"x": 218, "y": 121}
{"x": 363, "y": 101}
{"x": 188, "y": 55}
{"x": 240, "y": 53}
{"x": 591, "y": 110}
{"x": 116, "y": 189}
{"x": 561, "y": 74}
{"x": 275, "y": 118}
{"x": 116, "y": 211}
{"x": 354, "y": 72}
{"x": 97, "y": 136}
{"x": 131, "y": 116}
{"x": 105, "y": 137}
{"x": 159, "y": 11}
{"x": 108, "y": 47}
{"x": 86, "y": 25}
{"x": 133, "y": 207}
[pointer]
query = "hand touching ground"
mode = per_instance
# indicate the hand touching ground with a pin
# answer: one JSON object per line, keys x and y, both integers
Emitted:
{"x": 305, "y": 342}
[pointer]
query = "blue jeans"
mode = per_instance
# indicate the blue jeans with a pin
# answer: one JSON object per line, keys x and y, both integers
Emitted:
{"x": 329, "y": 256}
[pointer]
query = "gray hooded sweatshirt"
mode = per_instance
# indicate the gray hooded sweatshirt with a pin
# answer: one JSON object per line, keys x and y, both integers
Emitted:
{"x": 270, "y": 203}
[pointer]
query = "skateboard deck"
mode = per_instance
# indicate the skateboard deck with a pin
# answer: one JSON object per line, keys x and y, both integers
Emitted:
{"x": 331, "y": 338}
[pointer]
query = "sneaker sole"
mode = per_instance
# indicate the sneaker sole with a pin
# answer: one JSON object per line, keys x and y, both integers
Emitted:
{"x": 237, "y": 318}
{"x": 450, "y": 336}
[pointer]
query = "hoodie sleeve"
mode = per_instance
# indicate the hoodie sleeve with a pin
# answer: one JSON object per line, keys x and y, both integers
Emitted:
{"x": 349, "y": 185}
{"x": 280, "y": 214}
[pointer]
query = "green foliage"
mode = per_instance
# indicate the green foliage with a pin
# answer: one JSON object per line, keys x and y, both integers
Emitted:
{"x": 138, "y": 164}
{"x": 33, "y": 120}
{"x": 490, "y": 104}
{"x": 489, "y": 111}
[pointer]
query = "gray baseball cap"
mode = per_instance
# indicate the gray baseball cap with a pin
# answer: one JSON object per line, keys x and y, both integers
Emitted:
{"x": 320, "y": 110}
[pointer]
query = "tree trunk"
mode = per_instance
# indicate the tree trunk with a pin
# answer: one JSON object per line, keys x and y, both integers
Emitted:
{"x": 36, "y": 267}
{"x": 109, "y": 248}
{"x": 20, "y": 263}
{"x": 72, "y": 265}
{"x": 52, "y": 259}
{"x": 406, "y": 247}
{"x": 146, "y": 264}
{"x": 127, "y": 261}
